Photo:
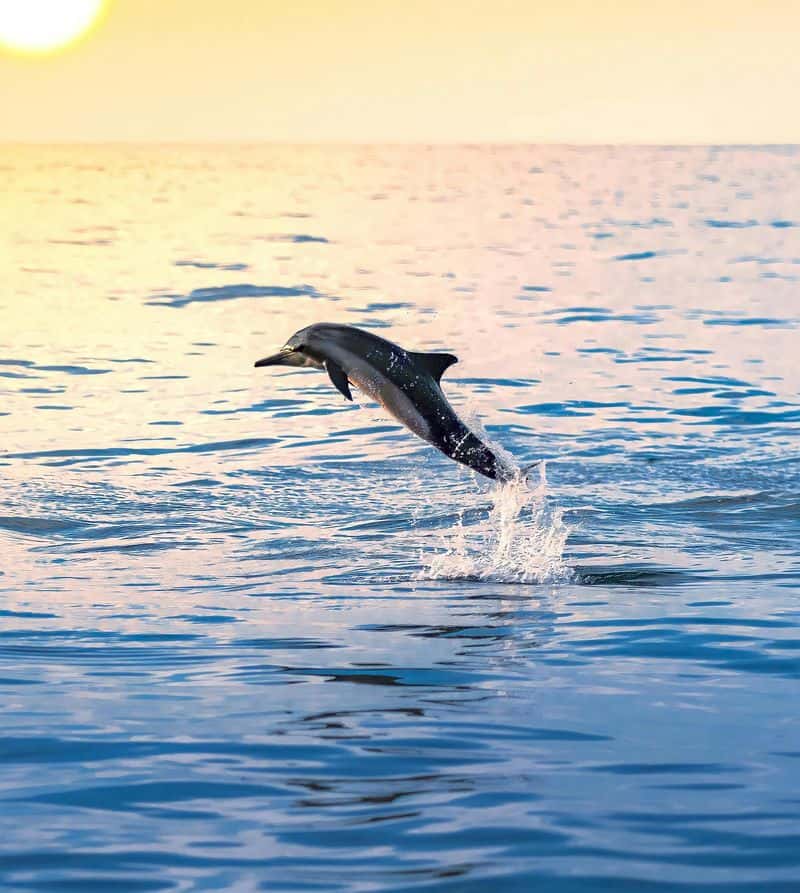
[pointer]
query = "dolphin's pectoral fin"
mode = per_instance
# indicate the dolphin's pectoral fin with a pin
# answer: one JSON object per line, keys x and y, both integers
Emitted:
{"x": 434, "y": 363}
{"x": 339, "y": 378}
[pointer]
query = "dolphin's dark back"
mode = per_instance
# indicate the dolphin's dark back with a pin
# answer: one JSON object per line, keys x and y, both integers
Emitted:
{"x": 402, "y": 368}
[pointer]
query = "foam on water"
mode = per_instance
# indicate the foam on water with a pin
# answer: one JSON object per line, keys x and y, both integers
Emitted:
{"x": 520, "y": 540}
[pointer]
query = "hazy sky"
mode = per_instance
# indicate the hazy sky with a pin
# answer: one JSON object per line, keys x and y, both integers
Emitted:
{"x": 421, "y": 70}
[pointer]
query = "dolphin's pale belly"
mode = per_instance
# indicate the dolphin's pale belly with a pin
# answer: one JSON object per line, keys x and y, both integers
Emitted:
{"x": 371, "y": 382}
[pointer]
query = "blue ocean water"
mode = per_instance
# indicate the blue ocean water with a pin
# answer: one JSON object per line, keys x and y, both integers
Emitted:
{"x": 253, "y": 637}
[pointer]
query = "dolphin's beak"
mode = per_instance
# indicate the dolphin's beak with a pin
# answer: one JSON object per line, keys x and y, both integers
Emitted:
{"x": 284, "y": 357}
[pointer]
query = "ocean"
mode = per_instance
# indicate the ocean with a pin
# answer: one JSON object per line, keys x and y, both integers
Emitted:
{"x": 254, "y": 637}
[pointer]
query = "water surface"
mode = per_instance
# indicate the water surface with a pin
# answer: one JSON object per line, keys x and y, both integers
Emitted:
{"x": 253, "y": 637}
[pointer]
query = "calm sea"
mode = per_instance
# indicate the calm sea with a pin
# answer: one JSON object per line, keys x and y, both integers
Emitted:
{"x": 253, "y": 637}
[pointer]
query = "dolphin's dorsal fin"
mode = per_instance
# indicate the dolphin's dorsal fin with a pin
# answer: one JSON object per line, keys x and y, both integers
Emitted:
{"x": 433, "y": 363}
{"x": 339, "y": 378}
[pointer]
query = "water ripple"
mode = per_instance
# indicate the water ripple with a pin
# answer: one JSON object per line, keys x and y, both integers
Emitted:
{"x": 249, "y": 640}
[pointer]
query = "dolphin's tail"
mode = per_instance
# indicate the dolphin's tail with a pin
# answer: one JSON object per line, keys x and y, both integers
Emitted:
{"x": 504, "y": 471}
{"x": 528, "y": 470}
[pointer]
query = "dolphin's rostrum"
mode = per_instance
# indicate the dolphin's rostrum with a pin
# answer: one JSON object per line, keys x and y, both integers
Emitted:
{"x": 404, "y": 382}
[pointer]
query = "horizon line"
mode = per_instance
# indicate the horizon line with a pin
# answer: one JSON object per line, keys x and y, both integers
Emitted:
{"x": 566, "y": 144}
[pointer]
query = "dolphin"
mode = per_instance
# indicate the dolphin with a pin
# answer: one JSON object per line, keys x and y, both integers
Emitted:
{"x": 406, "y": 383}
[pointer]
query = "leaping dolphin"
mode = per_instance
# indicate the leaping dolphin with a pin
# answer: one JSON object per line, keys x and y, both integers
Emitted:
{"x": 404, "y": 382}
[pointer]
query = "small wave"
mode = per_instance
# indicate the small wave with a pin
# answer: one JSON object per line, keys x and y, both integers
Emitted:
{"x": 211, "y": 265}
{"x": 301, "y": 238}
{"x": 645, "y": 255}
{"x": 73, "y": 370}
{"x": 766, "y": 321}
{"x": 71, "y": 456}
{"x": 521, "y": 540}
{"x": 567, "y": 315}
{"x": 33, "y": 526}
{"x": 84, "y": 243}
{"x": 731, "y": 224}
{"x": 638, "y": 575}
{"x": 231, "y": 292}
{"x": 748, "y": 224}
{"x": 381, "y": 306}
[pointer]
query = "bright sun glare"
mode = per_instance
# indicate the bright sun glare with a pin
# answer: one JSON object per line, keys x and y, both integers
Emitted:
{"x": 41, "y": 26}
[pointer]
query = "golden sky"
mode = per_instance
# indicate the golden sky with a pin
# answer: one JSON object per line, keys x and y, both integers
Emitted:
{"x": 587, "y": 71}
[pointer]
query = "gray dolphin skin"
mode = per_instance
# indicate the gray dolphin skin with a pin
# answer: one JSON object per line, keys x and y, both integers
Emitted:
{"x": 404, "y": 382}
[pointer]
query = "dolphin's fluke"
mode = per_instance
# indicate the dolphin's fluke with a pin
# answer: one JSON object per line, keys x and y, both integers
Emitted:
{"x": 434, "y": 364}
{"x": 528, "y": 470}
{"x": 339, "y": 378}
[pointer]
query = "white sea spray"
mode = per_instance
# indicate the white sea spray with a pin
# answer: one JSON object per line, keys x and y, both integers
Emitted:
{"x": 521, "y": 539}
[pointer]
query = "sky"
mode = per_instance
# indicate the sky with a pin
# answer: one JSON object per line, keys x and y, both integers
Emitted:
{"x": 572, "y": 71}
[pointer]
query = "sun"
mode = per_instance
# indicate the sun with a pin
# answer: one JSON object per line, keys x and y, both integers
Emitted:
{"x": 42, "y": 26}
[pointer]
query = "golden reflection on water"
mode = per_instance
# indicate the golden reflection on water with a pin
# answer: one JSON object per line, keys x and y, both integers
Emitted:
{"x": 479, "y": 252}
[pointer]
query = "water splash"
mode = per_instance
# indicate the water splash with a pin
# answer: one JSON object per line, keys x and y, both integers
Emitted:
{"x": 521, "y": 540}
